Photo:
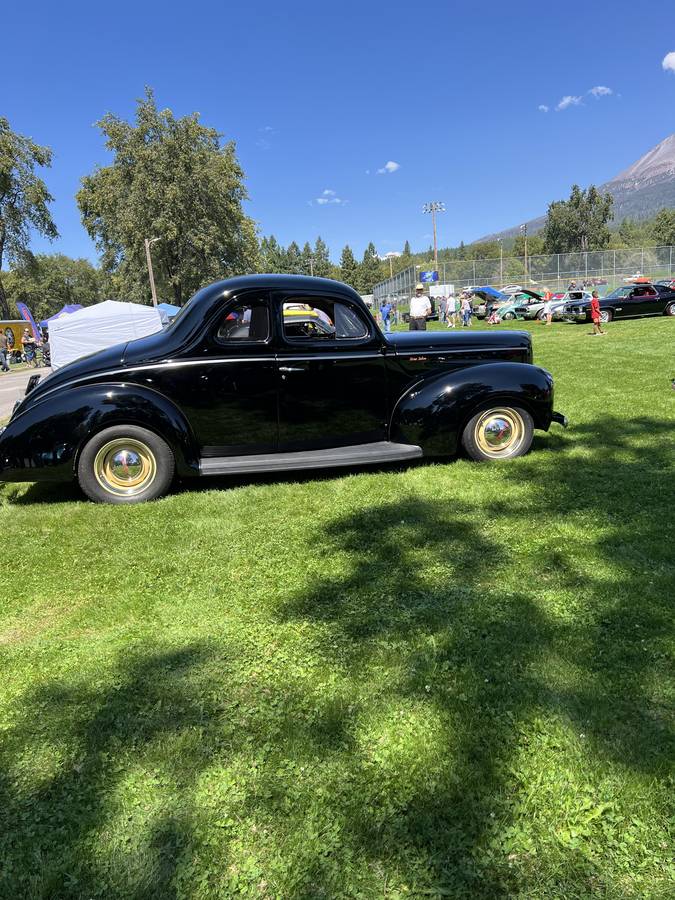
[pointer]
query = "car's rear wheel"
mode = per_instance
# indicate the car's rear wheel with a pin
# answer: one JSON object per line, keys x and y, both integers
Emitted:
{"x": 670, "y": 309}
{"x": 541, "y": 315}
{"x": 125, "y": 464}
{"x": 502, "y": 432}
{"x": 605, "y": 316}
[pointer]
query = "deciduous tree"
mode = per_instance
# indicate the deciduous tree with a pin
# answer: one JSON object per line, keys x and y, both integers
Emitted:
{"x": 580, "y": 223}
{"x": 47, "y": 282}
{"x": 175, "y": 180}
{"x": 24, "y": 199}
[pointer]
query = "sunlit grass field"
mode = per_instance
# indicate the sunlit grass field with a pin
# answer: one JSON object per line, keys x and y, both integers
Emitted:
{"x": 449, "y": 680}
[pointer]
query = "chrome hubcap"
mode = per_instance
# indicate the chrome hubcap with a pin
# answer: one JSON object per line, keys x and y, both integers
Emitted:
{"x": 500, "y": 432}
{"x": 125, "y": 467}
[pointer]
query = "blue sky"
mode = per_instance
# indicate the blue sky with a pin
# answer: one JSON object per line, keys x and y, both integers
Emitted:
{"x": 319, "y": 97}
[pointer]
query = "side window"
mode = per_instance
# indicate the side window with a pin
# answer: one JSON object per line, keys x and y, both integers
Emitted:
{"x": 317, "y": 318}
{"x": 248, "y": 320}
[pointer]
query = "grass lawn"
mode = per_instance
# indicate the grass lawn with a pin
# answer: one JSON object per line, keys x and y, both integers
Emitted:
{"x": 450, "y": 680}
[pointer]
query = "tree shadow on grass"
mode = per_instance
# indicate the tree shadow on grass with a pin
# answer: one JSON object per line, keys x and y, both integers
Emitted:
{"x": 408, "y": 772}
{"x": 478, "y": 655}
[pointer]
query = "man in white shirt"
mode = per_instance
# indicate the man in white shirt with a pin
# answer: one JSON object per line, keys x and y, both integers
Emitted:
{"x": 420, "y": 308}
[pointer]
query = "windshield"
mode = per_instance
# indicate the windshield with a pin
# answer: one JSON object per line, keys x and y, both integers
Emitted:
{"x": 620, "y": 292}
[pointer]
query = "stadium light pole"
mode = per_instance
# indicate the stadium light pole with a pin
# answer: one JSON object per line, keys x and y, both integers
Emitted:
{"x": 501, "y": 262}
{"x": 434, "y": 207}
{"x": 148, "y": 257}
{"x": 523, "y": 229}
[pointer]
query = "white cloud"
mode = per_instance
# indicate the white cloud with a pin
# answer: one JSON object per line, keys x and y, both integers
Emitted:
{"x": 328, "y": 196}
{"x": 388, "y": 168}
{"x": 568, "y": 100}
{"x": 542, "y": 107}
{"x": 367, "y": 171}
{"x": 268, "y": 129}
{"x": 600, "y": 91}
{"x": 669, "y": 62}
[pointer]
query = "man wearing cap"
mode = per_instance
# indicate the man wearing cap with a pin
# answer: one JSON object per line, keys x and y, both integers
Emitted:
{"x": 420, "y": 308}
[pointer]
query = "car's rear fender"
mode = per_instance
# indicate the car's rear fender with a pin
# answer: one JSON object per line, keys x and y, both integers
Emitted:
{"x": 433, "y": 414}
{"x": 43, "y": 442}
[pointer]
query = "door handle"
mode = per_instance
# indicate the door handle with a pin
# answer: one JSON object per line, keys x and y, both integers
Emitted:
{"x": 290, "y": 369}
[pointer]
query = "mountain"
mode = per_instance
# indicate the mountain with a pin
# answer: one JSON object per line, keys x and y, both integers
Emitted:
{"x": 639, "y": 192}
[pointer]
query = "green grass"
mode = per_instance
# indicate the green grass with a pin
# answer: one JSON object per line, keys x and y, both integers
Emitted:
{"x": 451, "y": 680}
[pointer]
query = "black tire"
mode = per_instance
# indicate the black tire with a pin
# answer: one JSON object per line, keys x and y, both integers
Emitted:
{"x": 670, "y": 309}
{"x": 483, "y": 440}
{"x": 606, "y": 316}
{"x": 508, "y": 315}
{"x": 125, "y": 464}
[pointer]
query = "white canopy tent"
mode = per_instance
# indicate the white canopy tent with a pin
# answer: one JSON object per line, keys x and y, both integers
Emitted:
{"x": 97, "y": 327}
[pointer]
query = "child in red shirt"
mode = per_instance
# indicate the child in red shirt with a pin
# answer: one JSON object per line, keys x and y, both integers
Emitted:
{"x": 595, "y": 314}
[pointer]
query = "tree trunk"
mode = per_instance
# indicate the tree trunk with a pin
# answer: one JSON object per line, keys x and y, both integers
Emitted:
{"x": 177, "y": 293}
{"x": 4, "y": 305}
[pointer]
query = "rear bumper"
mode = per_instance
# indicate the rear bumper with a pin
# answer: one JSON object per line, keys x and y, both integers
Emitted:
{"x": 560, "y": 419}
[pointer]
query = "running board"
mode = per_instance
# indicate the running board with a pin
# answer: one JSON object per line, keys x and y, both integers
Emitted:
{"x": 356, "y": 455}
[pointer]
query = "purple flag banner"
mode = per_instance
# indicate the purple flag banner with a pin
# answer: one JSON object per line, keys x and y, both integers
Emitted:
{"x": 26, "y": 314}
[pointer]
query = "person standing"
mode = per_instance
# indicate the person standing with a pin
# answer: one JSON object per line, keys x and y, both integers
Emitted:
{"x": 451, "y": 311}
{"x": 385, "y": 312}
{"x": 595, "y": 314}
{"x": 442, "y": 308}
{"x": 4, "y": 347}
{"x": 547, "y": 311}
{"x": 466, "y": 311}
{"x": 420, "y": 308}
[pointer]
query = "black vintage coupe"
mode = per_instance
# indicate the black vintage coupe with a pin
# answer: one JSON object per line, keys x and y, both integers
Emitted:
{"x": 266, "y": 373}
{"x": 630, "y": 301}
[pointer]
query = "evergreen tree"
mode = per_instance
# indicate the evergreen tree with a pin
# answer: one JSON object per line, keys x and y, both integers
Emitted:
{"x": 293, "y": 259}
{"x": 273, "y": 255}
{"x": 406, "y": 249}
{"x": 322, "y": 263}
{"x": 307, "y": 260}
{"x": 370, "y": 272}
{"x": 349, "y": 268}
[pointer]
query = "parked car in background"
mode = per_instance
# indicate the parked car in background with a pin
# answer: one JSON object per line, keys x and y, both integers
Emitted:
{"x": 521, "y": 304}
{"x": 631, "y": 301}
{"x": 558, "y": 301}
{"x": 269, "y": 373}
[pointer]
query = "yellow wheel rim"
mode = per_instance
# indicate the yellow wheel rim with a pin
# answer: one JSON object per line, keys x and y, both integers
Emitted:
{"x": 500, "y": 432}
{"x": 125, "y": 467}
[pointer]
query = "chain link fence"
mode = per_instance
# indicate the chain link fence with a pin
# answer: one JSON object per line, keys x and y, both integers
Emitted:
{"x": 600, "y": 268}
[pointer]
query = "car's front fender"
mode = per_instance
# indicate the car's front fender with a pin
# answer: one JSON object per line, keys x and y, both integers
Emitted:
{"x": 44, "y": 440}
{"x": 433, "y": 413}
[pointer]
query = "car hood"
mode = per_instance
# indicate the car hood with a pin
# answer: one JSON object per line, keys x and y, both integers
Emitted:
{"x": 101, "y": 361}
{"x": 418, "y": 341}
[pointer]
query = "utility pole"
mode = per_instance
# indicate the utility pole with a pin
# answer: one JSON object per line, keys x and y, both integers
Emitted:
{"x": 523, "y": 229}
{"x": 501, "y": 262}
{"x": 434, "y": 207}
{"x": 311, "y": 266}
{"x": 148, "y": 257}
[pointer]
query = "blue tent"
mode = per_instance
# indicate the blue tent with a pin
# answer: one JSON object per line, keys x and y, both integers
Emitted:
{"x": 65, "y": 311}
{"x": 490, "y": 292}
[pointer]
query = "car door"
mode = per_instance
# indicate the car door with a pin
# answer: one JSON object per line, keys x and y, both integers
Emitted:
{"x": 643, "y": 301}
{"x": 332, "y": 375}
{"x": 227, "y": 382}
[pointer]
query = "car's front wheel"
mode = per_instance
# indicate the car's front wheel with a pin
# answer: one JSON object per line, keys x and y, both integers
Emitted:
{"x": 670, "y": 309}
{"x": 605, "y": 316}
{"x": 509, "y": 315}
{"x": 502, "y": 432}
{"x": 125, "y": 464}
